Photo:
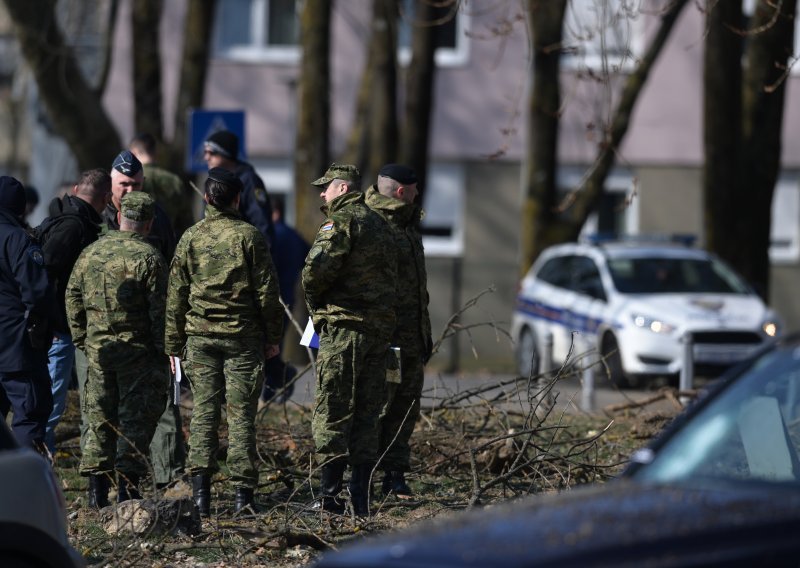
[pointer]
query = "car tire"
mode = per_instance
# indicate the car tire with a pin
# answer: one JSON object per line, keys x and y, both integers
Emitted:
{"x": 609, "y": 349}
{"x": 527, "y": 357}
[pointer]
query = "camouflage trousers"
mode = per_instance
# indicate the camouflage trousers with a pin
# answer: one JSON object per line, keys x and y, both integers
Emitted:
{"x": 219, "y": 370}
{"x": 351, "y": 391}
{"x": 167, "y": 448}
{"x": 122, "y": 405}
{"x": 401, "y": 412}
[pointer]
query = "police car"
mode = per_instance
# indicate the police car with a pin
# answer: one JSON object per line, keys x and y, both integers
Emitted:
{"x": 637, "y": 303}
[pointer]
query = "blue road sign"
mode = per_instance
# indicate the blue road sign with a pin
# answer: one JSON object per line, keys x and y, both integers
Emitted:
{"x": 203, "y": 123}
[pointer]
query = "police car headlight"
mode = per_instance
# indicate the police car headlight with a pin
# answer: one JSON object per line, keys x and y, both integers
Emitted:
{"x": 653, "y": 324}
{"x": 770, "y": 328}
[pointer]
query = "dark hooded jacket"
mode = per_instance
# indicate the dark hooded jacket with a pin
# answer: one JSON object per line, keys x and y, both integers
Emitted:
{"x": 73, "y": 225}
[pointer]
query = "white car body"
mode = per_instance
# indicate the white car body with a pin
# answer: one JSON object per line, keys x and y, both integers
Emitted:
{"x": 648, "y": 323}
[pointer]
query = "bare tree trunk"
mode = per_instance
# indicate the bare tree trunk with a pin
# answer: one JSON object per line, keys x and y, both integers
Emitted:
{"x": 194, "y": 67}
{"x": 420, "y": 75}
{"x": 73, "y": 106}
{"x": 722, "y": 133}
{"x": 546, "y": 19}
{"x": 145, "y": 20}
{"x": 769, "y": 50}
{"x": 541, "y": 226}
{"x": 376, "y": 113}
{"x": 311, "y": 156}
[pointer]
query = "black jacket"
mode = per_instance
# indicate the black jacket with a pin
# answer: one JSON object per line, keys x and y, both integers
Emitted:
{"x": 255, "y": 205}
{"x": 79, "y": 227}
{"x": 25, "y": 293}
{"x": 161, "y": 236}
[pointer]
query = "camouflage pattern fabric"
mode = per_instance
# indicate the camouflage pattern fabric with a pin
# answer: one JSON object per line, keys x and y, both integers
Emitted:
{"x": 350, "y": 272}
{"x": 115, "y": 307}
{"x": 413, "y": 332}
{"x": 351, "y": 390}
{"x": 168, "y": 447}
{"x": 115, "y": 298}
{"x": 122, "y": 406}
{"x": 169, "y": 190}
{"x": 222, "y": 284}
{"x": 224, "y": 369}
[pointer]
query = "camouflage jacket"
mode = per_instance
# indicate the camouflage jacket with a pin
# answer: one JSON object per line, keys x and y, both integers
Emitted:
{"x": 351, "y": 270}
{"x": 413, "y": 321}
{"x": 222, "y": 283}
{"x": 116, "y": 293}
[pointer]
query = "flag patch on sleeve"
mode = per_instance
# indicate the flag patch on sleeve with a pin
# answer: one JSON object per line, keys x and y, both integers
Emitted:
{"x": 327, "y": 226}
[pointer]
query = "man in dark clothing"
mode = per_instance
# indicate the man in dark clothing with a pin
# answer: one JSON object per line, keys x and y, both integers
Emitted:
{"x": 74, "y": 222}
{"x": 27, "y": 303}
{"x": 289, "y": 252}
{"x": 127, "y": 175}
{"x": 222, "y": 151}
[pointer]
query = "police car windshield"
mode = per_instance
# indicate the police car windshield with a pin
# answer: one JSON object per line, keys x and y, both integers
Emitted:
{"x": 660, "y": 275}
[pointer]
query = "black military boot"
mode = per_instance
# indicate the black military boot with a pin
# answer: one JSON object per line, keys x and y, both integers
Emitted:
{"x": 394, "y": 482}
{"x": 201, "y": 493}
{"x": 98, "y": 491}
{"x": 360, "y": 489}
{"x": 127, "y": 487}
{"x": 244, "y": 498}
{"x": 330, "y": 487}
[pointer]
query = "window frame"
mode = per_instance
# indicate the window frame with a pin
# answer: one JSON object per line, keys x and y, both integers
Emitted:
{"x": 596, "y": 60}
{"x": 259, "y": 51}
{"x": 439, "y": 176}
{"x": 444, "y": 56}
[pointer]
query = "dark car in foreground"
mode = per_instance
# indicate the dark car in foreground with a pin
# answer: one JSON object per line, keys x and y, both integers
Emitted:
{"x": 720, "y": 487}
{"x": 33, "y": 518}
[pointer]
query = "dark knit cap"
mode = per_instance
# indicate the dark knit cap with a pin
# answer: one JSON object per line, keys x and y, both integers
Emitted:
{"x": 12, "y": 195}
{"x": 224, "y": 143}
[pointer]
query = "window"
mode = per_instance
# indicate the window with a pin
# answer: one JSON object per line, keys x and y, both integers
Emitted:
{"x": 617, "y": 213}
{"x": 449, "y": 32}
{"x": 784, "y": 233}
{"x": 443, "y": 202}
{"x": 257, "y": 30}
{"x": 601, "y": 32}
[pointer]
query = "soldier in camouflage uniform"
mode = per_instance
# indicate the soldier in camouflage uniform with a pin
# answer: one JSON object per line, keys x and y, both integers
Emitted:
{"x": 115, "y": 307}
{"x": 393, "y": 197}
{"x": 224, "y": 318}
{"x": 349, "y": 283}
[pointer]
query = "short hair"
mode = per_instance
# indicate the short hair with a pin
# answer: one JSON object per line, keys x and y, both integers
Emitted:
{"x": 94, "y": 183}
{"x": 131, "y": 225}
{"x": 220, "y": 194}
{"x": 144, "y": 141}
{"x": 387, "y": 186}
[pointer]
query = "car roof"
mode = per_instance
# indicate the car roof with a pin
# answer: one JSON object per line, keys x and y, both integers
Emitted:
{"x": 630, "y": 249}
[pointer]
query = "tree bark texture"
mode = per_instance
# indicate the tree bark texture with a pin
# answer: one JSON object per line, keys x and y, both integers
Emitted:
{"x": 419, "y": 98}
{"x": 722, "y": 107}
{"x": 312, "y": 151}
{"x": 145, "y": 20}
{"x": 73, "y": 106}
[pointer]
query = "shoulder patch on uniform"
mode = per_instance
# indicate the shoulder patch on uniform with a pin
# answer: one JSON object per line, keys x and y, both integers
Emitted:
{"x": 36, "y": 255}
{"x": 261, "y": 195}
{"x": 327, "y": 226}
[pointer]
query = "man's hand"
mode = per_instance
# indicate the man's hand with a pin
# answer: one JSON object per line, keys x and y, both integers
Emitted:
{"x": 172, "y": 364}
{"x": 272, "y": 350}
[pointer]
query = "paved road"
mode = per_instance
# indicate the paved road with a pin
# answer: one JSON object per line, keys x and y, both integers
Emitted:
{"x": 462, "y": 389}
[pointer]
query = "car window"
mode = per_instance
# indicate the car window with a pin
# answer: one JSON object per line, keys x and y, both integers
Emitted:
{"x": 659, "y": 275}
{"x": 556, "y": 271}
{"x": 749, "y": 432}
{"x": 586, "y": 278}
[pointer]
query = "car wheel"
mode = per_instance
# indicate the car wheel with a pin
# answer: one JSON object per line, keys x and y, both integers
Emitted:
{"x": 610, "y": 352}
{"x": 527, "y": 360}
